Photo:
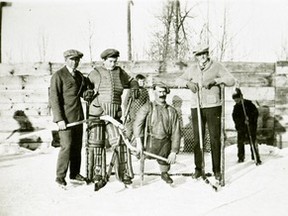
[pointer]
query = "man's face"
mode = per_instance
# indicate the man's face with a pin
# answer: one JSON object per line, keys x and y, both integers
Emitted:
{"x": 110, "y": 63}
{"x": 160, "y": 94}
{"x": 141, "y": 82}
{"x": 72, "y": 62}
{"x": 202, "y": 58}
{"x": 237, "y": 100}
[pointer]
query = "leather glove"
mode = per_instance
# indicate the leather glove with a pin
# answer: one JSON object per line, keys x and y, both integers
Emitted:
{"x": 192, "y": 86}
{"x": 135, "y": 93}
{"x": 88, "y": 95}
{"x": 172, "y": 158}
{"x": 61, "y": 125}
{"x": 209, "y": 83}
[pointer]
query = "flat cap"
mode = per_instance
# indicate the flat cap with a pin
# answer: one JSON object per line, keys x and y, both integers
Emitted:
{"x": 110, "y": 53}
{"x": 161, "y": 85}
{"x": 200, "y": 49}
{"x": 72, "y": 54}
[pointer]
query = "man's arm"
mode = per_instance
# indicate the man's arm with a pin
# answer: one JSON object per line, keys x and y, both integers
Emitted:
{"x": 139, "y": 126}
{"x": 225, "y": 77}
{"x": 129, "y": 82}
{"x": 176, "y": 133}
{"x": 56, "y": 98}
{"x": 184, "y": 79}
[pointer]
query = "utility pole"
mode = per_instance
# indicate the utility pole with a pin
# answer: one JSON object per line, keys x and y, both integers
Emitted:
{"x": 129, "y": 3}
{"x": 2, "y": 4}
{"x": 208, "y": 23}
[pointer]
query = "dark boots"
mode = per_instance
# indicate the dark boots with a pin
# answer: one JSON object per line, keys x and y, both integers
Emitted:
{"x": 166, "y": 177}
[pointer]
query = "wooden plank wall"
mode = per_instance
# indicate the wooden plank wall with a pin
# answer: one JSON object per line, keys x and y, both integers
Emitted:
{"x": 25, "y": 87}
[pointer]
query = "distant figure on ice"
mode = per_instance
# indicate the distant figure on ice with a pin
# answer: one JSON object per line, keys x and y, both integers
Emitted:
{"x": 162, "y": 129}
{"x": 136, "y": 103}
{"x": 242, "y": 122}
{"x": 268, "y": 127}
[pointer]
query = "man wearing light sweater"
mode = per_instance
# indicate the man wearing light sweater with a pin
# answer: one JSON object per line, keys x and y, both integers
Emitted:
{"x": 206, "y": 76}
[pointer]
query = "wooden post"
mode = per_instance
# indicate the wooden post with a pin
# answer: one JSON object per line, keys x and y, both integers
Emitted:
{"x": 2, "y": 4}
{"x": 129, "y": 3}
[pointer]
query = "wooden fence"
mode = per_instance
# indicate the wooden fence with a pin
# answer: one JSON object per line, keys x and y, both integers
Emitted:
{"x": 24, "y": 90}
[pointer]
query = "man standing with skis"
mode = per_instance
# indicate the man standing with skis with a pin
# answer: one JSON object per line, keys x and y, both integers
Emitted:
{"x": 204, "y": 79}
{"x": 245, "y": 124}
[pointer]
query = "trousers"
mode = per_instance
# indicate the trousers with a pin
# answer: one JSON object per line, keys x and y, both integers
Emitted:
{"x": 211, "y": 117}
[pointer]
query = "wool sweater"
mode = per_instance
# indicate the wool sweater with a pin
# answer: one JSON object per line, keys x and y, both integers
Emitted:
{"x": 213, "y": 71}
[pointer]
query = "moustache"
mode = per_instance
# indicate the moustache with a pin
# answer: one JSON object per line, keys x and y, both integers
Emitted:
{"x": 163, "y": 97}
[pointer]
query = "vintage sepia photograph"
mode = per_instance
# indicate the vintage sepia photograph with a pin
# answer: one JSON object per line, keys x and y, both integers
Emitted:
{"x": 143, "y": 107}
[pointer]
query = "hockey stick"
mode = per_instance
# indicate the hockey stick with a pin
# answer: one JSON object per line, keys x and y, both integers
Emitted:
{"x": 53, "y": 128}
{"x": 200, "y": 133}
{"x": 252, "y": 144}
{"x": 223, "y": 137}
{"x": 126, "y": 140}
{"x": 204, "y": 176}
{"x": 117, "y": 124}
{"x": 200, "y": 136}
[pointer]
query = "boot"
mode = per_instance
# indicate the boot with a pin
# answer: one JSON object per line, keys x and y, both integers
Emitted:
{"x": 127, "y": 180}
{"x": 240, "y": 160}
{"x": 196, "y": 174}
{"x": 61, "y": 181}
{"x": 166, "y": 177}
{"x": 217, "y": 176}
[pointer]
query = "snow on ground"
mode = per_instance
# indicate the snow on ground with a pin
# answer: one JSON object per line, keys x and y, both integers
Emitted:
{"x": 27, "y": 187}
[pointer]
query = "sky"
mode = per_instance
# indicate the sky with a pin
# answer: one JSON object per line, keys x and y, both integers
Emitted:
{"x": 257, "y": 29}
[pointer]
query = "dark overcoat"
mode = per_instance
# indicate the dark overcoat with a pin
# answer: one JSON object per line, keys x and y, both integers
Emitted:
{"x": 64, "y": 95}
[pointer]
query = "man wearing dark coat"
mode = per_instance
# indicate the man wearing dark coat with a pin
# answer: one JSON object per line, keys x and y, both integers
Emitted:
{"x": 66, "y": 87}
{"x": 241, "y": 122}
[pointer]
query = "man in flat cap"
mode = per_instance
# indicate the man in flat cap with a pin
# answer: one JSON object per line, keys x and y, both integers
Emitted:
{"x": 108, "y": 82}
{"x": 245, "y": 121}
{"x": 162, "y": 132}
{"x": 66, "y": 87}
{"x": 204, "y": 78}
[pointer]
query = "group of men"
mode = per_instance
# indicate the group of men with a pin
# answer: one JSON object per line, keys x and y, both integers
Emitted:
{"x": 153, "y": 125}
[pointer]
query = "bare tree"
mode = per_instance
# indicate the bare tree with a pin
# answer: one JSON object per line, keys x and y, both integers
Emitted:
{"x": 171, "y": 42}
{"x": 90, "y": 39}
{"x": 223, "y": 40}
{"x": 223, "y": 43}
{"x": 43, "y": 45}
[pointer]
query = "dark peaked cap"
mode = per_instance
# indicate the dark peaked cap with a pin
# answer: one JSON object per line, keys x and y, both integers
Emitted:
{"x": 110, "y": 53}
{"x": 72, "y": 54}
